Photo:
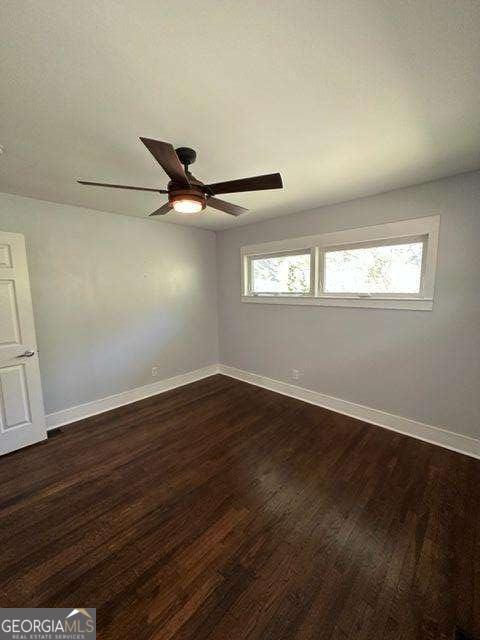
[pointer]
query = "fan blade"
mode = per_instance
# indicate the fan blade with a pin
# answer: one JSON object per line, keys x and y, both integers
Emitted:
{"x": 165, "y": 208}
{"x": 257, "y": 183}
{"x": 165, "y": 155}
{"x": 227, "y": 207}
{"x": 120, "y": 186}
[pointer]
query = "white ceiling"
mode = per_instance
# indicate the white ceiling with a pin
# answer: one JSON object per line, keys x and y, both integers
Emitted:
{"x": 344, "y": 97}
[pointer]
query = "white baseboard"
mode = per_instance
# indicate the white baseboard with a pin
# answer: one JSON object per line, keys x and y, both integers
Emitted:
{"x": 81, "y": 411}
{"x": 434, "y": 435}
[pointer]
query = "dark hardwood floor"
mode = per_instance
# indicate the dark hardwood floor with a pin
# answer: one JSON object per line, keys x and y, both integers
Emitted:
{"x": 223, "y": 511}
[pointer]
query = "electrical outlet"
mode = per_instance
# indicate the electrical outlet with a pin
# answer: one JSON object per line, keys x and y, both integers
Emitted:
{"x": 154, "y": 372}
{"x": 295, "y": 374}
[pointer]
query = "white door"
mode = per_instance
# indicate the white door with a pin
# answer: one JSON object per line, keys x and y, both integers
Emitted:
{"x": 22, "y": 419}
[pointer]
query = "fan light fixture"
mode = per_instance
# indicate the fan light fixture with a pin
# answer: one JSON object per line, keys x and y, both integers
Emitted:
{"x": 187, "y": 205}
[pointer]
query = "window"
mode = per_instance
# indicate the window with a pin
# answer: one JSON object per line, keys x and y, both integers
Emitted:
{"x": 390, "y": 266}
{"x": 393, "y": 268}
{"x": 282, "y": 274}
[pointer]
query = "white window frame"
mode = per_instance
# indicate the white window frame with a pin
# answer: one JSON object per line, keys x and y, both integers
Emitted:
{"x": 418, "y": 229}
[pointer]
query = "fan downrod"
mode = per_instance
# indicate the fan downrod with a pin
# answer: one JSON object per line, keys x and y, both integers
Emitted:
{"x": 186, "y": 156}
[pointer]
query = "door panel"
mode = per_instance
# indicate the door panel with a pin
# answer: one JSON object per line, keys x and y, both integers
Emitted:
{"x": 14, "y": 401}
{"x": 5, "y": 256}
{"x": 22, "y": 420}
{"x": 9, "y": 321}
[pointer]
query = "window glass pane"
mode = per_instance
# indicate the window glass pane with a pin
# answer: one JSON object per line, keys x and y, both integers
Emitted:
{"x": 281, "y": 274}
{"x": 384, "y": 269}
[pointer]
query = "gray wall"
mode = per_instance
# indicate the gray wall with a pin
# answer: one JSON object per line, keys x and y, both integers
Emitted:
{"x": 423, "y": 365}
{"x": 112, "y": 296}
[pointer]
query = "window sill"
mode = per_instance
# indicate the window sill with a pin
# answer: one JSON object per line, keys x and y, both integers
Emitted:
{"x": 415, "y": 304}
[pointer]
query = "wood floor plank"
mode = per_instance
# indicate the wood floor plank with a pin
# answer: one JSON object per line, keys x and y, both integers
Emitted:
{"x": 220, "y": 510}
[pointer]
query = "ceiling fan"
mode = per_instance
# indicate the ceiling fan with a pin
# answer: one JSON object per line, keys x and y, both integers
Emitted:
{"x": 186, "y": 194}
